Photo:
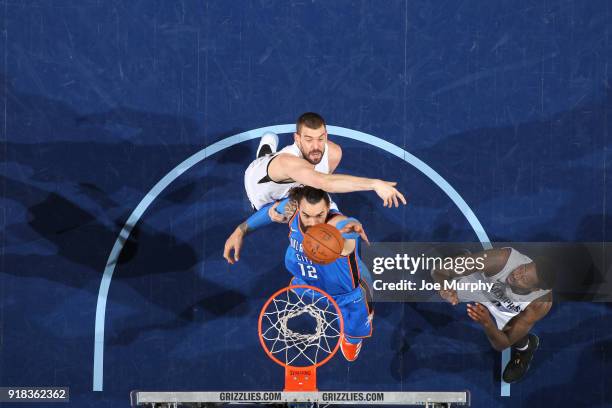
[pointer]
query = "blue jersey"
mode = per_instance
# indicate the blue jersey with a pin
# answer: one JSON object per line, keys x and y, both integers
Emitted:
{"x": 336, "y": 278}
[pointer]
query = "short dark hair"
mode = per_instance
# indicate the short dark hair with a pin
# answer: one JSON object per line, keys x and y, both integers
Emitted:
{"x": 310, "y": 194}
{"x": 546, "y": 271}
{"x": 309, "y": 119}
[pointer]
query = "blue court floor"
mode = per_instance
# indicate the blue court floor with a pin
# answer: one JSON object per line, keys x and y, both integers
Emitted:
{"x": 510, "y": 102}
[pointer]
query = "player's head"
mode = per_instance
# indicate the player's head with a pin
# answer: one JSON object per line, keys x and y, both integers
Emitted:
{"x": 310, "y": 136}
{"x": 313, "y": 205}
{"x": 539, "y": 274}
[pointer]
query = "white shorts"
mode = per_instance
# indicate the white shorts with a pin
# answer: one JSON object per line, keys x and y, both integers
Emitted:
{"x": 260, "y": 189}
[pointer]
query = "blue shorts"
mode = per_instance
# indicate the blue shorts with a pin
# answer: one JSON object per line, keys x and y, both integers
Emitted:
{"x": 355, "y": 309}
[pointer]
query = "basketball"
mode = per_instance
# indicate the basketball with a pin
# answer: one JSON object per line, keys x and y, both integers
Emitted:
{"x": 323, "y": 243}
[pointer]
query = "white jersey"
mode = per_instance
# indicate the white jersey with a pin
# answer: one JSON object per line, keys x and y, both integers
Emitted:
{"x": 501, "y": 301}
{"x": 260, "y": 188}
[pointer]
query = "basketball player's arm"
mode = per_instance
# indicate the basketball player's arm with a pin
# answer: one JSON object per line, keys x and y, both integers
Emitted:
{"x": 492, "y": 260}
{"x": 517, "y": 328}
{"x": 283, "y": 210}
{"x": 351, "y": 227}
{"x": 300, "y": 171}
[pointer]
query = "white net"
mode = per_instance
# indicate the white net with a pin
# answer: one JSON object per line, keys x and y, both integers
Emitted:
{"x": 301, "y": 327}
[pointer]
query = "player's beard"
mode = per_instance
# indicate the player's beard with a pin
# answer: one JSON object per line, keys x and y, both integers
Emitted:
{"x": 311, "y": 160}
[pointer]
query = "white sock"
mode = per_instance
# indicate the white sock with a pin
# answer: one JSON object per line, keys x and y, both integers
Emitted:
{"x": 523, "y": 348}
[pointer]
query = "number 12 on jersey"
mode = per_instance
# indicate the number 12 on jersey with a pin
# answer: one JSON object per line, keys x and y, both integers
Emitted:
{"x": 308, "y": 271}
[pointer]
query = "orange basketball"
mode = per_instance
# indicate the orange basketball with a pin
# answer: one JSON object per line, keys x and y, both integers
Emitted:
{"x": 323, "y": 243}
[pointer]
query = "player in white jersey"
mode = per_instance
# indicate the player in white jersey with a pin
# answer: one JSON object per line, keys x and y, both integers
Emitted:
{"x": 260, "y": 187}
{"x": 309, "y": 161}
{"x": 520, "y": 296}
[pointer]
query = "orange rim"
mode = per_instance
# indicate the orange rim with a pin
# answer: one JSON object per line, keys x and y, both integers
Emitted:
{"x": 278, "y": 292}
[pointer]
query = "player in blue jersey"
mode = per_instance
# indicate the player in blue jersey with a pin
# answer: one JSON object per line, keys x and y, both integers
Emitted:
{"x": 347, "y": 279}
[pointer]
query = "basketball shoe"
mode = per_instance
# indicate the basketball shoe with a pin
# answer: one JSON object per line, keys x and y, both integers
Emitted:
{"x": 267, "y": 145}
{"x": 350, "y": 351}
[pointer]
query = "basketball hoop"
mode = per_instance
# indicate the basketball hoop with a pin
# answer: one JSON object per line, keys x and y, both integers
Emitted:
{"x": 299, "y": 350}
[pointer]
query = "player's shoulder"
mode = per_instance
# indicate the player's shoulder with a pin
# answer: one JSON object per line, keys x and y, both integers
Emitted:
{"x": 335, "y": 151}
{"x": 496, "y": 259}
{"x": 502, "y": 253}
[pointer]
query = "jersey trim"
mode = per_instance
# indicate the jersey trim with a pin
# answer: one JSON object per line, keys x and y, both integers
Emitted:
{"x": 367, "y": 296}
{"x": 267, "y": 178}
{"x": 291, "y": 222}
{"x": 354, "y": 268}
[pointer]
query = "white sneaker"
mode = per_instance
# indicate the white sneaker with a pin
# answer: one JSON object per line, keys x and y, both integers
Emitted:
{"x": 270, "y": 139}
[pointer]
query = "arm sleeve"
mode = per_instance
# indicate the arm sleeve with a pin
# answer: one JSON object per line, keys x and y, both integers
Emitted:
{"x": 261, "y": 217}
{"x": 347, "y": 235}
{"x": 281, "y": 206}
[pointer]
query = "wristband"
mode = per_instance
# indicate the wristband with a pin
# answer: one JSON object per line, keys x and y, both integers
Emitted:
{"x": 281, "y": 206}
{"x": 260, "y": 218}
{"x": 348, "y": 235}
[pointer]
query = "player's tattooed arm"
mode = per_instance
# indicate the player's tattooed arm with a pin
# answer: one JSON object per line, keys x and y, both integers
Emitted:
{"x": 290, "y": 209}
{"x": 282, "y": 211}
{"x": 233, "y": 245}
{"x": 244, "y": 228}
{"x": 264, "y": 216}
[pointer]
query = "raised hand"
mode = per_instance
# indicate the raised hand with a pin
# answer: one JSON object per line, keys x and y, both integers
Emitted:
{"x": 389, "y": 194}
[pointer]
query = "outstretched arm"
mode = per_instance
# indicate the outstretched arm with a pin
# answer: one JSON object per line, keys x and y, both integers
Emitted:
{"x": 300, "y": 171}
{"x": 280, "y": 211}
